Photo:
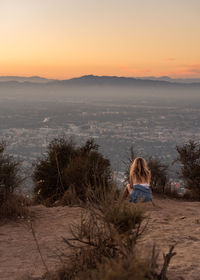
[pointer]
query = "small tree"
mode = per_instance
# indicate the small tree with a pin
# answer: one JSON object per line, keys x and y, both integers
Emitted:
{"x": 67, "y": 166}
{"x": 159, "y": 175}
{"x": 189, "y": 158}
{"x": 48, "y": 171}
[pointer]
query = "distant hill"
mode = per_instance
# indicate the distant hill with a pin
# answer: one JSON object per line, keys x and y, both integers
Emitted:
{"x": 92, "y": 80}
{"x": 32, "y": 79}
{"x": 109, "y": 80}
{"x": 168, "y": 79}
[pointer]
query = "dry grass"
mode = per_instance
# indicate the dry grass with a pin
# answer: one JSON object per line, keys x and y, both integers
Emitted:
{"x": 13, "y": 208}
{"x": 103, "y": 246}
{"x": 70, "y": 197}
{"x": 125, "y": 216}
{"x": 100, "y": 236}
{"x": 128, "y": 267}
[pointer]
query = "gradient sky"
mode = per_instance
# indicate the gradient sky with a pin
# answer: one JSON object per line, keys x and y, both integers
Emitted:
{"x": 68, "y": 38}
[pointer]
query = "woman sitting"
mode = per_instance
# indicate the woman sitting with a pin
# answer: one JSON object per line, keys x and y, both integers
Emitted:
{"x": 139, "y": 187}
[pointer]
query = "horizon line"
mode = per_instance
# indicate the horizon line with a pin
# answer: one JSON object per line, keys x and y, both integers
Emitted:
{"x": 87, "y": 75}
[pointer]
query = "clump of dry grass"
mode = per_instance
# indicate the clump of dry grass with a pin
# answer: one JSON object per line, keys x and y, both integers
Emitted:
{"x": 125, "y": 216}
{"x": 131, "y": 267}
{"x": 103, "y": 243}
{"x": 101, "y": 236}
{"x": 127, "y": 267}
{"x": 70, "y": 197}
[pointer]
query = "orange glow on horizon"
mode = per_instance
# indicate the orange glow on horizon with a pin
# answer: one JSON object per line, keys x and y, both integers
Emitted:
{"x": 66, "y": 72}
{"x": 64, "y": 39}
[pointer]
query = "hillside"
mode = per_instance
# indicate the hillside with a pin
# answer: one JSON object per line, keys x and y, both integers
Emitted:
{"x": 170, "y": 222}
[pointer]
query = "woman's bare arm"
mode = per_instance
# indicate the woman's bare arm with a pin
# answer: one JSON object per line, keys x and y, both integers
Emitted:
{"x": 127, "y": 191}
{"x": 131, "y": 181}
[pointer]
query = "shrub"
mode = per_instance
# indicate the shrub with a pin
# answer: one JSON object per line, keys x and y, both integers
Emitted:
{"x": 189, "y": 158}
{"x": 87, "y": 169}
{"x": 48, "y": 172}
{"x": 159, "y": 175}
{"x": 12, "y": 205}
{"x": 15, "y": 206}
{"x": 9, "y": 174}
{"x": 65, "y": 166}
{"x": 133, "y": 266}
{"x": 124, "y": 269}
{"x": 124, "y": 216}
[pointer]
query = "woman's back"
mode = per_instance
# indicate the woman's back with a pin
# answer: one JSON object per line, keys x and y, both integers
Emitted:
{"x": 140, "y": 176}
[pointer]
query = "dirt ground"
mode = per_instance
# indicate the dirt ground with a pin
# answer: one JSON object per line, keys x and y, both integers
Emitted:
{"x": 170, "y": 222}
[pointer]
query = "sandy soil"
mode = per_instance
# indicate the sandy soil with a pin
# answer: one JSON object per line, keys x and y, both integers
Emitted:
{"x": 170, "y": 222}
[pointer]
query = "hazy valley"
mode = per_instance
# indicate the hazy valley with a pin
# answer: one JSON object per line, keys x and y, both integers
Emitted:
{"x": 154, "y": 118}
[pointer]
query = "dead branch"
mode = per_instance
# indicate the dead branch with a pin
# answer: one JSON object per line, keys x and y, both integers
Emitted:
{"x": 167, "y": 258}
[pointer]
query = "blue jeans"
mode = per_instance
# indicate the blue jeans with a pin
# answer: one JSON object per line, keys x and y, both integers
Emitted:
{"x": 140, "y": 193}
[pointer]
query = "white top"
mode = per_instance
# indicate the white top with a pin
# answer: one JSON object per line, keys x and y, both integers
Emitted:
{"x": 144, "y": 185}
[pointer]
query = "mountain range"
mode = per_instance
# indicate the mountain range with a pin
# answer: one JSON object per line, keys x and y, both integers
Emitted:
{"x": 100, "y": 80}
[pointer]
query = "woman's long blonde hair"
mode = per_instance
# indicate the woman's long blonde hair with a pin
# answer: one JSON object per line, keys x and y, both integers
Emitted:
{"x": 139, "y": 171}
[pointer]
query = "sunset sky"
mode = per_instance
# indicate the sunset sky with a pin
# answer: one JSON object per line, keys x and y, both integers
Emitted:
{"x": 69, "y": 38}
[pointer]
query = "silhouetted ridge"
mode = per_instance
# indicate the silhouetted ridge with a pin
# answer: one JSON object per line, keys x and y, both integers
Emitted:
{"x": 110, "y": 80}
{"x": 92, "y": 80}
